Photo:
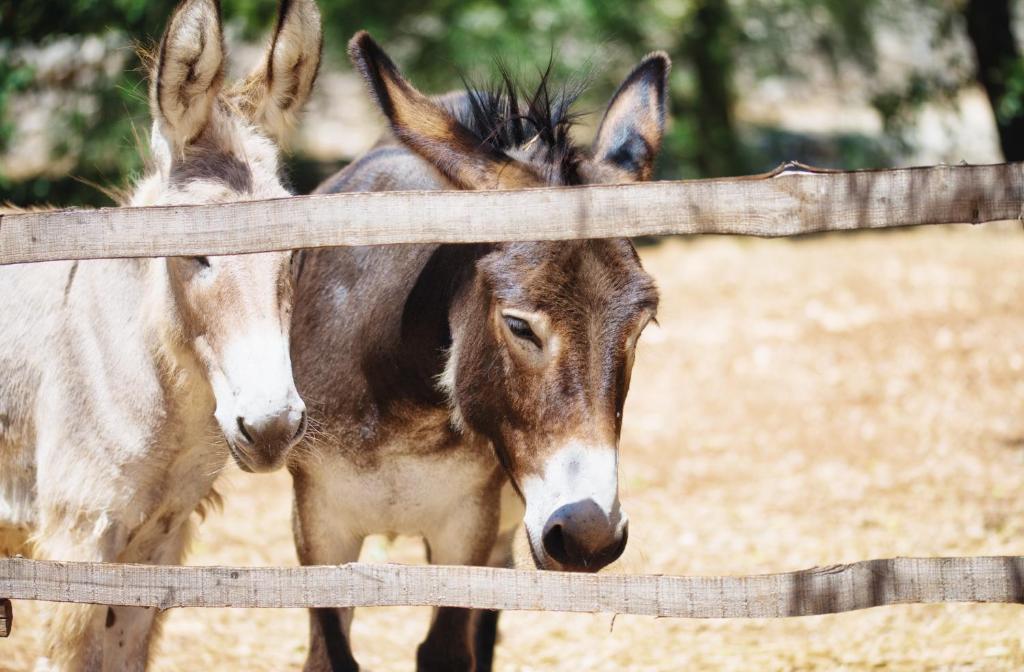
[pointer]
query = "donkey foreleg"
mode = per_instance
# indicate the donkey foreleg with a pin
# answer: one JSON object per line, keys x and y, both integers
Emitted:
{"x": 485, "y": 623}
{"x": 129, "y": 632}
{"x": 466, "y": 538}
{"x": 97, "y": 637}
{"x": 321, "y": 538}
{"x": 74, "y": 632}
{"x": 329, "y": 648}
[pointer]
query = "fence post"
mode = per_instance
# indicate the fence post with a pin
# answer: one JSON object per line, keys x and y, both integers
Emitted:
{"x": 6, "y": 617}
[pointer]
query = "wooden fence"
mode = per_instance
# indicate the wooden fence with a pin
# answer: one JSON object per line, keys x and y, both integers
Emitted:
{"x": 791, "y": 200}
{"x": 821, "y": 590}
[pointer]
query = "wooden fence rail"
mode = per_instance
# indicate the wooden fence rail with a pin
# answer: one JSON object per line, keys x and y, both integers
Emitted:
{"x": 821, "y": 590}
{"x": 791, "y": 200}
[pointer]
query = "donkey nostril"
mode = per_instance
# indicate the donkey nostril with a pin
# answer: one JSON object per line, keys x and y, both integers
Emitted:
{"x": 244, "y": 431}
{"x": 583, "y": 546}
{"x": 614, "y": 551}
{"x": 554, "y": 544}
{"x": 302, "y": 427}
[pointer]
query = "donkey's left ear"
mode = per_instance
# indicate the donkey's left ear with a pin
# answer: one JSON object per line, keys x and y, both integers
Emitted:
{"x": 630, "y": 133}
{"x": 276, "y": 91}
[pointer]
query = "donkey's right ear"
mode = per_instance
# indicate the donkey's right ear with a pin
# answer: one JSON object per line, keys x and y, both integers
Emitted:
{"x": 428, "y": 129}
{"x": 189, "y": 71}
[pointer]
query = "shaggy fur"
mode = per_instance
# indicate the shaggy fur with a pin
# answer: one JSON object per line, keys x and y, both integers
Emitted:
{"x": 125, "y": 384}
{"x": 507, "y": 117}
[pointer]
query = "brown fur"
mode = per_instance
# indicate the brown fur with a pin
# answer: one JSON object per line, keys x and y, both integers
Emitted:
{"x": 428, "y": 402}
{"x": 425, "y": 127}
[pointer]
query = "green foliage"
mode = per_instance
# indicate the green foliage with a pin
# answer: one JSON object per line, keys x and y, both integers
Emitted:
{"x": 41, "y": 21}
{"x": 1011, "y": 105}
{"x": 899, "y": 107}
{"x": 14, "y": 78}
{"x": 440, "y": 42}
{"x": 97, "y": 133}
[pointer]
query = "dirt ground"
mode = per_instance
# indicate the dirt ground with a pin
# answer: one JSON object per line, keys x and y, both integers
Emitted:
{"x": 803, "y": 403}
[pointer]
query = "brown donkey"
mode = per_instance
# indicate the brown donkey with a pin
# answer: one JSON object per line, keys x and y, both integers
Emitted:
{"x": 125, "y": 384}
{"x": 441, "y": 374}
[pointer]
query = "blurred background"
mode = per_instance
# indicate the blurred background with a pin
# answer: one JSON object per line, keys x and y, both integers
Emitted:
{"x": 871, "y": 83}
{"x": 804, "y": 401}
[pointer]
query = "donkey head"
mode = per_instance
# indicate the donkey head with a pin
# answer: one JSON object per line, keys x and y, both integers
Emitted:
{"x": 543, "y": 335}
{"x": 217, "y": 145}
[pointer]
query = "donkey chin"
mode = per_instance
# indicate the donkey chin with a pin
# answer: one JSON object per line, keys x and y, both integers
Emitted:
{"x": 573, "y": 519}
{"x": 258, "y": 408}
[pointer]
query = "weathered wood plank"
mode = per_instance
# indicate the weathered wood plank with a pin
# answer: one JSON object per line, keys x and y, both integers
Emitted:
{"x": 821, "y": 590}
{"x": 789, "y": 201}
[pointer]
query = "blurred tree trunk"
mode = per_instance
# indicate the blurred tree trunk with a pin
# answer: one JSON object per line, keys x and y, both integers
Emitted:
{"x": 989, "y": 27}
{"x": 710, "y": 46}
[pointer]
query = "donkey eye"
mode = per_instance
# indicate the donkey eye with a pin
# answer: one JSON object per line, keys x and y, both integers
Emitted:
{"x": 520, "y": 328}
{"x": 202, "y": 261}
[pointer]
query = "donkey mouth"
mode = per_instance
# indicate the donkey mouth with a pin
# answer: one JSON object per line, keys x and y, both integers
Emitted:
{"x": 239, "y": 458}
{"x": 540, "y": 561}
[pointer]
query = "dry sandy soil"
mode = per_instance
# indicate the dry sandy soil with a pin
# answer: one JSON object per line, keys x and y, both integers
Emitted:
{"x": 802, "y": 403}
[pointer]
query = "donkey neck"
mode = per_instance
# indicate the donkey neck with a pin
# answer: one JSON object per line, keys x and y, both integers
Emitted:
{"x": 371, "y": 324}
{"x": 371, "y": 330}
{"x": 412, "y": 349}
{"x": 425, "y": 336}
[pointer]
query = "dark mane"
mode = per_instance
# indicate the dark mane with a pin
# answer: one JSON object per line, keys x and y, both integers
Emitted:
{"x": 507, "y": 115}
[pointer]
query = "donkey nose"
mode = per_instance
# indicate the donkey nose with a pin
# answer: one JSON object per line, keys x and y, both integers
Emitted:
{"x": 272, "y": 434}
{"x": 581, "y": 538}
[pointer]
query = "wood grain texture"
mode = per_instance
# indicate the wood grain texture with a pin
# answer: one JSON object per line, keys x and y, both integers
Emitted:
{"x": 822, "y": 590}
{"x": 791, "y": 200}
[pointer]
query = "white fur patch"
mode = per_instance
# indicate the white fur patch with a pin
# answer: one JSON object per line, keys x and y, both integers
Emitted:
{"x": 254, "y": 380}
{"x": 577, "y": 472}
{"x": 446, "y": 384}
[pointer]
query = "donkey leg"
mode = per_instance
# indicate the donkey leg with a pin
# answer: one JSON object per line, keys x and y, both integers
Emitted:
{"x": 126, "y": 638}
{"x": 485, "y": 638}
{"x": 129, "y": 632}
{"x": 73, "y": 638}
{"x": 322, "y": 539}
{"x": 485, "y": 622}
{"x": 465, "y": 539}
{"x": 329, "y": 647}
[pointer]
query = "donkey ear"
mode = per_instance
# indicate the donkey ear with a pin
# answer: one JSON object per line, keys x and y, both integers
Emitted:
{"x": 630, "y": 133}
{"x": 189, "y": 71}
{"x": 279, "y": 88}
{"x": 430, "y": 130}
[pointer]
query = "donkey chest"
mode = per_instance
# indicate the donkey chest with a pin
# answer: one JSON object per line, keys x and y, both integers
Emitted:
{"x": 411, "y": 494}
{"x": 177, "y": 488}
{"x": 154, "y": 484}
